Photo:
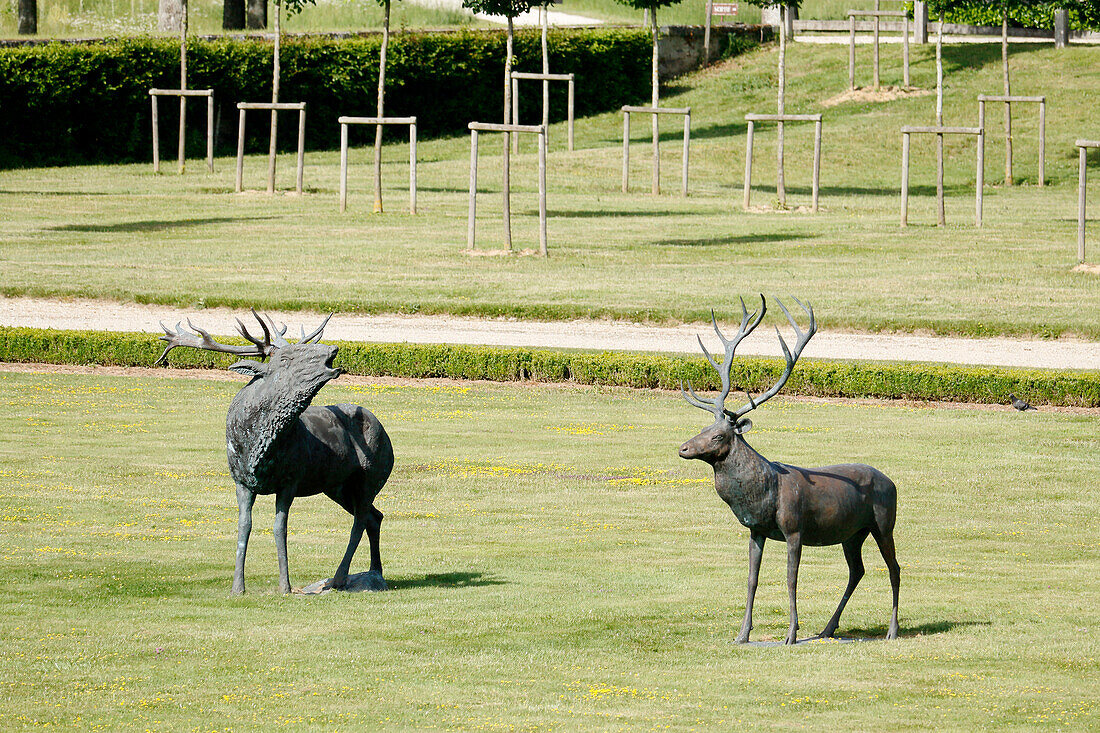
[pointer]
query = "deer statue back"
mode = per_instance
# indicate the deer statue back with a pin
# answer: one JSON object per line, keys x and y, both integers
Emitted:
{"x": 277, "y": 443}
{"x": 832, "y": 505}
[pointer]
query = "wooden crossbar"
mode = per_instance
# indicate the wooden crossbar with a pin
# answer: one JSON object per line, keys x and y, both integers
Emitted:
{"x": 941, "y": 130}
{"x": 498, "y": 127}
{"x": 1009, "y": 98}
{"x": 345, "y": 121}
{"x": 1087, "y": 144}
{"x": 878, "y": 13}
{"x": 277, "y": 106}
{"x": 376, "y": 120}
{"x": 658, "y": 110}
{"x": 300, "y": 108}
{"x": 655, "y": 184}
{"x": 782, "y": 118}
{"x": 542, "y": 77}
{"x": 183, "y": 94}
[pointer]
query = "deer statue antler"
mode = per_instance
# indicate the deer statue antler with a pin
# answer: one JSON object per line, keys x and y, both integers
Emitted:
{"x": 201, "y": 339}
{"x": 803, "y": 339}
{"x": 748, "y": 325}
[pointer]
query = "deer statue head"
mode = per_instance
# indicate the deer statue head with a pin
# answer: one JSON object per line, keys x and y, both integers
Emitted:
{"x": 307, "y": 364}
{"x": 714, "y": 443}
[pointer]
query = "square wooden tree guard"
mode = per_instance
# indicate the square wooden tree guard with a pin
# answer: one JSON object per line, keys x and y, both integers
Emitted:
{"x": 540, "y": 130}
{"x": 183, "y": 94}
{"x": 751, "y": 119}
{"x": 345, "y": 121}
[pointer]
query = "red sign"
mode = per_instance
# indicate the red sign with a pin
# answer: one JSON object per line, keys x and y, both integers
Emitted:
{"x": 724, "y": 9}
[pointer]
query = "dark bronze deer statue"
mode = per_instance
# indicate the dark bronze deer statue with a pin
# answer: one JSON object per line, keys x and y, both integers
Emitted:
{"x": 278, "y": 444}
{"x": 800, "y": 506}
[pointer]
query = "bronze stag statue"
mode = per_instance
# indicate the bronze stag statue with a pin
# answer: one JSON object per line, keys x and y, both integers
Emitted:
{"x": 278, "y": 444}
{"x": 800, "y": 506}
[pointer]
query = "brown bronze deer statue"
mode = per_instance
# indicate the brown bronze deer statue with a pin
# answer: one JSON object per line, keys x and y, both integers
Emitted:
{"x": 278, "y": 444}
{"x": 800, "y": 506}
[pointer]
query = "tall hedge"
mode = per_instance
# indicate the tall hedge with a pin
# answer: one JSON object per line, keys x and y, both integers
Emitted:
{"x": 71, "y": 103}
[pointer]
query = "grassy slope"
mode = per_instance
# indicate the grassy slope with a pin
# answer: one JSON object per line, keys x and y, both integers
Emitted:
{"x": 118, "y": 232}
{"x": 577, "y": 575}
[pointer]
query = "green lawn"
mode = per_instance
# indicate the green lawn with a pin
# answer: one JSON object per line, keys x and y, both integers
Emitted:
{"x": 575, "y": 574}
{"x": 119, "y": 232}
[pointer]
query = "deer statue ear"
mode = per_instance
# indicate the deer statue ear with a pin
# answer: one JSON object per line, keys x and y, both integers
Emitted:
{"x": 743, "y": 426}
{"x": 249, "y": 368}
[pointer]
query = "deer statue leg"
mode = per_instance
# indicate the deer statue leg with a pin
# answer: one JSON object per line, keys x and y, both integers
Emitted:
{"x": 245, "y": 500}
{"x": 756, "y": 551}
{"x": 885, "y": 542}
{"x": 853, "y": 553}
{"x": 340, "y": 579}
{"x": 794, "y": 556}
{"x": 282, "y": 509}
{"x": 374, "y": 527}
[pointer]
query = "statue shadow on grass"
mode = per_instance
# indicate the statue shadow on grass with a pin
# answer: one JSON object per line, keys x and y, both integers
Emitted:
{"x": 877, "y": 633}
{"x": 456, "y": 579}
{"x": 154, "y": 225}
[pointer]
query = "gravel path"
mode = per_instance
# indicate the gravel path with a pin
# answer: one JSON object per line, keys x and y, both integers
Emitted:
{"x": 97, "y": 315}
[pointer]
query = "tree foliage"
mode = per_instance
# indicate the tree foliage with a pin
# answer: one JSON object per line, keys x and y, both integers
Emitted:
{"x": 503, "y": 8}
{"x": 1022, "y": 13}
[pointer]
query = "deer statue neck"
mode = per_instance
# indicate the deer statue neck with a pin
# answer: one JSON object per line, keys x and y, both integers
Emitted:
{"x": 747, "y": 482}
{"x": 266, "y": 411}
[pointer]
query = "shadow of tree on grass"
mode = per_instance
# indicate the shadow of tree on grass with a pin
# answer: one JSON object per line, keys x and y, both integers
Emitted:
{"x": 153, "y": 225}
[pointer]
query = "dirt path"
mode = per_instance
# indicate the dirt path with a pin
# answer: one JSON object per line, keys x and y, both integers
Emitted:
{"x": 95, "y": 315}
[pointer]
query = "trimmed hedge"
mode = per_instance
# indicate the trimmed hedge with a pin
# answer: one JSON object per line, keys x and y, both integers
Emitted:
{"x": 74, "y": 103}
{"x": 650, "y": 371}
{"x": 1037, "y": 14}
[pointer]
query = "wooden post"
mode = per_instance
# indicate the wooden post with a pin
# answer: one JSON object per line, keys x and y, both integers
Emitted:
{"x": 183, "y": 85}
{"x": 940, "y": 212}
{"x": 183, "y": 133}
{"x": 981, "y": 125}
{"x": 1061, "y": 28}
{"x": 706, "y": 34}
{"x": 980, "y": 192}
{"x": 542, "y": 190}
{"x": 301, "y": 150}
{"x": 905, "y": 52}
{"x": 905, "y": 179}
{"x": 939, "y": 121}
{"x": 210, "y": 133}
{"x": 473, "y": 191}
{"x": 748, "y": 165}
{"x": 780, "y": 181}
{"x": 1042, "y": 142}
{"x": 570, "y": 112}
{"x": 156, "y": 135}
{"x": 876, "y": 27}
{"x": 626, "y": 150}
{"x": 507, "y": 187}
{"x": 1008, "y": 93}
{"x": 817, "y": 163}
{"x": 1081, "y": 178}
{"x": 272, "y": 144}
{"x": 240, "y": 150}
{"x": 515, "y": 113}
{"x": 851, "y": 51}
{"x": 656, "y": 185}
{"x": 343, "y": 167}
{"x": 412, "y": 168}
{"x": 687, "y": 142}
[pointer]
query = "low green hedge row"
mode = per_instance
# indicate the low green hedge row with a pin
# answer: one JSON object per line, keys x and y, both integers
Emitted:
{"x": 89, "y": 102}
{"x": 1037, "y": 14}
{"x": 811, "y": 377}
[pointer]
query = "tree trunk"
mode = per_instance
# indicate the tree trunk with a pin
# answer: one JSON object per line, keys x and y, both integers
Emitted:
{"x": 780, "y": 184}
{"x": 169, "y": 15}
{"x": 233, "y": 15}
{"x": 381, "y": 107}
{"x": 28, "y": 17}
{"x": 183, "y": 84}
{"x": 1008, "y": 106}
{"x": 508, "y": 136}
{"x": 656, "y": 184}
{"x": 545, "y": 64}
{"x": 942, "y": 218}
{"x": 256, "y": 17}
{"x": 272, "y": 144}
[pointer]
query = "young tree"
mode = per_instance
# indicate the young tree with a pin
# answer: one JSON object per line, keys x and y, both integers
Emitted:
{"x": 381, "y": 105}
{"x": 784, "y": 9}
{"x": 509, "y": 9}
{"x": 650, "y": 9}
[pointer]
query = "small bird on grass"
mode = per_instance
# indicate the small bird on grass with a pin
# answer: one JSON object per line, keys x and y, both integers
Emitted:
{"x": 1020, "y": 404}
